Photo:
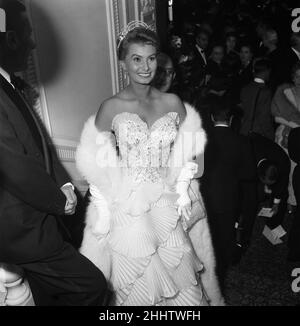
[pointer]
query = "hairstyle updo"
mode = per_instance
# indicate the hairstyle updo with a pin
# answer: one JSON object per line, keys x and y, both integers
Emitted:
{"x": 138, "y": 35}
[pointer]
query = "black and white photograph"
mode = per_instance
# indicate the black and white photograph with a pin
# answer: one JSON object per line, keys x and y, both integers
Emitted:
{"x": 149, "y": 155}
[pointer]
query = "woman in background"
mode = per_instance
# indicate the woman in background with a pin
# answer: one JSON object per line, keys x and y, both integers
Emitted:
{"x": 286, "y": 110}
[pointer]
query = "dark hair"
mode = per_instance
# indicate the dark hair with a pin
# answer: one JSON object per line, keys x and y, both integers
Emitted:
{"x": 140, "y": 35}
{"x": 220, "y": 108}
{"x": 201, "y": 31}
{"x": 246, "y": 45}
{"x": 231, "y": 34}
{"x": 295, "y": 68}
{"x": 261, "y": 65}
{"x": 267, "y": 171}
{"x": 13, "y": 9}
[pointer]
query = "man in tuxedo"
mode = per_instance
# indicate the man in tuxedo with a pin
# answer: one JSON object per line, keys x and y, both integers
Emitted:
{"x": 228, "y": 163}
{"x": 256, "y": 98}
{"x": 276, "y": 57}
{"x": 200, "y": 59}
{"x": 291, "y": 57}
{"x": 35, "y": 192}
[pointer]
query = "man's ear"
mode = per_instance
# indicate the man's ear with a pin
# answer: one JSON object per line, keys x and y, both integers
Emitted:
{"x": 212, "y": 118}
{"x": 12, "y": 40}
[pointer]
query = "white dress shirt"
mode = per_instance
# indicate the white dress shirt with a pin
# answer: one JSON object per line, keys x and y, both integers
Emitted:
{"x": 6, "y": 76}
{"x": 259, "y": 80}
{"x": 296, "y": 52}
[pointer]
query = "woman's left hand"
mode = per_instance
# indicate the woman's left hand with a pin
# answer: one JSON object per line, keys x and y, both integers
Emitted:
{"x": 184, "y": 206}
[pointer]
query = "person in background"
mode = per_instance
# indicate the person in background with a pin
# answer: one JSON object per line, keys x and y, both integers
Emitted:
{"x": 231, "y": 58}
{"x": 286, "y": 111}
{"x": 227, "y": 163}
{"x": 273, "y": 167}
{"x": 165, "y": 74}
{"x": 275, "y": 55}
{"x": 256, "y": 99}
{"x": 200, "y": 60}
{"x": 217, "y": 75}
{"x": 291, "y": 57}
{"x": 294, "y": 233}
{"x": 243, "y": 77}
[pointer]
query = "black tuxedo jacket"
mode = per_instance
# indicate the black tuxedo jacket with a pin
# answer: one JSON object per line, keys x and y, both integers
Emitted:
{"x": 198, "y": 68}
{"x": 227, "y": 162}
{"x": 289, "y": 60}
{"x": 263, "y": 122}
{"x": 30, "y": 196}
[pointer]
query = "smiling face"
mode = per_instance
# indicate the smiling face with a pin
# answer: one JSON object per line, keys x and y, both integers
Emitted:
{"x": 140, "y": 63}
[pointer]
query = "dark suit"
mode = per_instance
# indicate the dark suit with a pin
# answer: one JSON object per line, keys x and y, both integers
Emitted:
{"x": 290, "y": 58}
{"x": 227, "y": 162}
{"x": 263, "y": 121}
{"x": 31, "y": 209}
{"x": 294, "y": 233}
{"x": 199, "y": 67}
{"x": 276, "y": 58}
{"x": 263, "y": 148}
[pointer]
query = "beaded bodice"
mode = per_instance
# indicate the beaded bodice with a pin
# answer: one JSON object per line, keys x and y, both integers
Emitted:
{"x": 144, "y": 149}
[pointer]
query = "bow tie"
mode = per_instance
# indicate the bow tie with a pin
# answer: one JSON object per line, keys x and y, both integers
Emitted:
{"x": 18, "y": 82}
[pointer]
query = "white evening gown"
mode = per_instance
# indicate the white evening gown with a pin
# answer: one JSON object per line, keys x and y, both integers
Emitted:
{"x": 153, "y": 262}
{"x": 133, "y": 232}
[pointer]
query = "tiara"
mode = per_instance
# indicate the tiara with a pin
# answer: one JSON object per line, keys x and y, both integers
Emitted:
{"x": 130, "y": 27}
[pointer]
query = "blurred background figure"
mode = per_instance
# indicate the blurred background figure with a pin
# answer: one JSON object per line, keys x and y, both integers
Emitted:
{"x": 294, "y": 235}
{"x": 256, "y": 100}
{"x": 218, "y": 81}
{"x": 165, "y": 74}
{"x": 286, "y": 111}
{"x": 227, "y": 162}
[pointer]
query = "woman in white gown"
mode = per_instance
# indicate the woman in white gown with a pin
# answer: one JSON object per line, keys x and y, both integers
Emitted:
{"x": 146, "y": 225}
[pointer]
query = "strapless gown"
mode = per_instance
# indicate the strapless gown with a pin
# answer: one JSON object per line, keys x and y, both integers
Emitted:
{"x": 152, "y": 259}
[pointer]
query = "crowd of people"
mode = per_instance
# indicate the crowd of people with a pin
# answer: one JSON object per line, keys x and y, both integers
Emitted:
{"x": 240, "y": 68}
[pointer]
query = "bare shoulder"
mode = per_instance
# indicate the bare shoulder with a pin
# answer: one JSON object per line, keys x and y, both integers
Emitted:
{"x": 106, "y": 112}
{"x": 174, "y": 104}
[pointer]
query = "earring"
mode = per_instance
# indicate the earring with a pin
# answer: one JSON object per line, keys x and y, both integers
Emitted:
{"x": 126, "y": 77}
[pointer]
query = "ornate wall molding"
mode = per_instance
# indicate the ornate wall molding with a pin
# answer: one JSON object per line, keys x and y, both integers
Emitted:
{"x": 145, "y": 11}
{"x": 117, "y": 18}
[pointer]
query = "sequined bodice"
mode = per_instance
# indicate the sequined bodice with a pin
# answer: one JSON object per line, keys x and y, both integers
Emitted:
{"x": 145, "y": 150}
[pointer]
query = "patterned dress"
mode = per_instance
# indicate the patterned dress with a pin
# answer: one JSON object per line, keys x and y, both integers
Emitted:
{"x": 153, "y": 261}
